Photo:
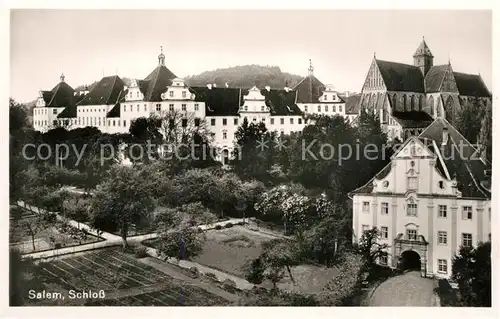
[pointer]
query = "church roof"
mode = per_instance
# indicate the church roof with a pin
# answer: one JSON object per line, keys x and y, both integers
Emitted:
{"x": 412, "y": 119}
{"x": 309, "y": 90}
{"x": 422, "y": 49}
{"x": 471, "y": 85}
{"x": 401, "y": 77}
{"x": 106, "y": 92}
{"x": 352, "y": 104}
{"x": 434, "y": 78}
{"x": 464, "y": 167}
{"x": 157, "y": 82}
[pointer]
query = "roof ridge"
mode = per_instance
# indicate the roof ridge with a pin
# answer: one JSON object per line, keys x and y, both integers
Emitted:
{"x": 112, "y": 88}
{"x": 54, "y": 93}
{"x": 438, "y": 152}
{"x": 470, "y": 144}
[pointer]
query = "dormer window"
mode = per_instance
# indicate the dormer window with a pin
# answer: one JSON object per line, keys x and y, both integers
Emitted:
{"x": 137, "y": 94}
{"x": 326, "y": 97}
{"x": 262, "y": 108}
{"x": 246, "y": 107}
{"x": 305, "y": 108}
{"x": 326, "y": 108}
{"x": 411, "y": 234}
{"x": 171, "y": 93}
{"x": 183, "y": 94}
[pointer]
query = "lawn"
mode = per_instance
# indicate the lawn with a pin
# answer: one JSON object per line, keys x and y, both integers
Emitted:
{"x": 231, "y": 249}
{"x": 125, "y": 281}
{"x": 45, "y": 238}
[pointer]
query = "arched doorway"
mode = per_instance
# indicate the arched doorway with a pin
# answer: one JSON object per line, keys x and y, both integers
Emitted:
{"x": 410, "y": 260}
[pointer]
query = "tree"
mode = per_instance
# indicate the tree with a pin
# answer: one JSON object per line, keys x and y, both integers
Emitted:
{"x": 121, "y": 200}
{"x": 33, "y": 226}
{"x": 471, "y": 269}
{"x": 468, "y": 121}
{"x": 370, "y": 247}
{"x": 255, "y": 272}
{"x": 485, "y": 134}
{"x": 278, "y": 255}
{"x": 182, "y": 241}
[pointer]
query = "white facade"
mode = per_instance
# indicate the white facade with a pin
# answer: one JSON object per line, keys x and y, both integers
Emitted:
{"x": 418, "y": 208}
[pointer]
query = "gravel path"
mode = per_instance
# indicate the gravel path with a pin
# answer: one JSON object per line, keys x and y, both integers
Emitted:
{"x": 408, "y": 289}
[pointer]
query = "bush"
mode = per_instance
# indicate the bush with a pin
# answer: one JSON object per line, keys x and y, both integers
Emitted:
{"x": 241, "y": 223}
{"x": 211, "y": 276}
{"x": 218, "y": 227}
{"x": 228, "y": 225}
{"x": 141, "y": 252}
{"x": 200, "y": 230}
{"x": 194, "y": 271}
{"x": 229, "y": 283}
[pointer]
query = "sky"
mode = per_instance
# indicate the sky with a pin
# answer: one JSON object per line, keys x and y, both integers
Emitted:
{"x": 87, "y": 44}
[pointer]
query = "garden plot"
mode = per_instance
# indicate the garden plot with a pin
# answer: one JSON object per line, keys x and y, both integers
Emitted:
{"x": 231, "y": 249}
{"x": 124, "y": 280}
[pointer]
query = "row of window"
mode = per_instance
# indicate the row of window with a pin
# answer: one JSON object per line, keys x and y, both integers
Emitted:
{"x": 158, "y": 107}
{"x": 170, "y": 94}
{"x": 442, "y": 264}
{"x": 334, "y": 108}
{"x": 411, "y": 210}
{"x": 43, "y": 111}
{"x": 81, "y": 110}
{"x": 411, "y": 234}
{"x": 235, "y": 121}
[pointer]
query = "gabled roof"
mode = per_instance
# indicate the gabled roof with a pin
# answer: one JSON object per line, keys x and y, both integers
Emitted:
{"x": 422, "y": 49}
{"x": 434, "y": 78}
{"x": 309, "y": 90}
{"x": 401, "y": 77}
{"x": 461, "y": 159}
{"x": 115, "y": 111}
{"x": 352, "y": 104}
{"x": 60, "y": 96}
{"x": 106, "y": 92}
{"x": 281, "y": 102}
{"x": 157, "y": 82}
{"x": 471, "y": 85}
{"x": 219, "y": 101}
{"x": 70, "y": 111}
{"x": 412, "y": 119}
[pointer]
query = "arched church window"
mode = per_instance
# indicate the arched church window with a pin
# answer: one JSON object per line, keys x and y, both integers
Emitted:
{"x": 404, "y": 102}
{"x": 394, "y": 102}
{"x": 431, "y": 105}
{"x": 420, "y": 103}
{"x": 412, "y": 101}
{"x": 438, "y": 108}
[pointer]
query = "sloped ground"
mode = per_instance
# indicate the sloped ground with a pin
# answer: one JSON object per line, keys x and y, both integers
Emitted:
{"x": 408, "y": 289}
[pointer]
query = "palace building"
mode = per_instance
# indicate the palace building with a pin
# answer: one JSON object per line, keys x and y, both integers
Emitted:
{"x": 433, "y": 197}
{"x": 409, "y": 97}
{"x": 111, "y": 105}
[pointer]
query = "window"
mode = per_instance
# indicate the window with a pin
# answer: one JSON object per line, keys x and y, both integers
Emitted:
{"x": 441, "y": 184}
{"x": 326, "y": 108}
{"x": 224, "y": 121}
{"x": 443, "y": 266}
{"x": 467, "y": 212}
{"x": 224, "y": 135}
{"x": 262, "y": 108}
{"x": 171, "y": 124}
{"x": 131, "y": 107}
{"x": 412, "y": 183}
{"x": 184, "y": 122}
{"x": 212, "y": 122}
{"x": 171, "y": 107}
{"x": 383, "y": 259}
{"x": 340, "y": 108}
{"x": 145, "y": 108}
{"x": 384, "y": 232}
{"x": 442, "y": 238}
{"x": 411, "y": 234}
{"x": 365, "y": 228}
{"x": 235, "y": 121}
{"x": 114, "y": 122}
{"x": 196, "y": 107}
{"x": 334, "y": 108}
{"x": 183, "y": 107}
{"x": 326, "y": 97}
{"x": 411, "y": 209}
{"x": 183, "y": 94}
{"x": 319, "y": 108}
{"x": 158, "y": 107}
{"x": 124, "y": 122}
{"x": 300, "y": 121}
{"x": 246, "y": 107}
{"x": 291, "y": 120}
{"x": 442, "y": 212}
{"x": 124, "y": 108}
{"x": 137, "y": 94}
{"x": 305, "y": 108}
{"x": 366, "y": 207}
{"x": 466, "y": 240}
{"x": 54, "y": 111}
{"x": 171, "y": 93}
{"x": 196, "y": 122}
{"x": 282, "y": 121}
{"x": 385, "y": 208}
{"x": 137, "y": 107}
{"x": 272, "y": 121}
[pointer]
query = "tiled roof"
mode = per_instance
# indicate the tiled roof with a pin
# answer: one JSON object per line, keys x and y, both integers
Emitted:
{"x": 471, "y": 85}
{"x": 413, "y": 119}
{"x": 115, "y": 111}
{"x": 281, "y": 102}
{"x": 309, "y": 90}
{"x": 106, "y": 92}
{"x": 352, "y": 104}
{"x": 434, "y": 78}
{"x": 460, "y": 158}
{"x": 401, "y": 77}
{"x": 157, "y": 82}
{"x": 465, "y": 168}
{"x": 60, "y": 96}
{"x": 47, "y": 96}
{"x": 70, "y": 111}
{"x": 219, "y": 101}
{"x": 422, "y": 49}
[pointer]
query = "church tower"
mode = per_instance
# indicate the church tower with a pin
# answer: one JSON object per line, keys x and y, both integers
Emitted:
{"x": 423, "y": 57}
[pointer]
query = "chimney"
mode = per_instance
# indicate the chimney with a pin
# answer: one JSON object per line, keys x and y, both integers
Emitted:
{"x": 268, "y": 88}
{"x": 209, "y": 86}
{"x": 214, "y": 85}
{"x": 445, "y": 136}
{"x": 346, "y": 93}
